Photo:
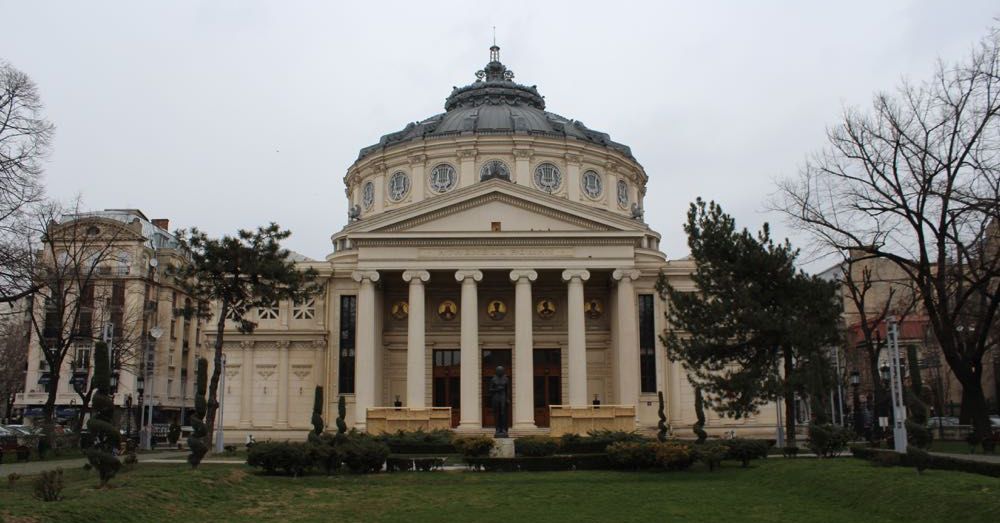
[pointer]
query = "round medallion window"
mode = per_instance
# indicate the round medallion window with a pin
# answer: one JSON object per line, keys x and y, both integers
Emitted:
{"x": 546, "y": 308}
{"x": 622, "y": 193}
{"x": 443, "y": 178}
{"x": 400, "y": 310}
{"x": 547, "y": 177}
{"x": 447, "y": 310}
{"x": 399, "y": 185}
{"x": 593, "y": 186}
{"x": 368, "y": 195}
{"x": 494, "y": 169}
{"x": 496, "y": 310}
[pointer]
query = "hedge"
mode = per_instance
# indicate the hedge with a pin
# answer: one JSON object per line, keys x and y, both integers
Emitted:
{"x": 933, "y": 461}
{"x": 541, "y": 463}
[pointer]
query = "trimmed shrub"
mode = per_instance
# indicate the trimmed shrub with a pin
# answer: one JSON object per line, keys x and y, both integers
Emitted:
{"x": 290, "y": 459}
{"x": 428, "y": 464}
{"x": 101, "y": 423}
{"x": 536, "y": 446}
{"x": 828, "y": 441}
{"x": 543, "y": 463}
{"x": 632, "y": 455}
{"x": 419, "y": 442}
{"x": 744, "y": 450}
{"x": 474, "y": 446}
{"x": 324, "y": 453}
{"x": 673, "y": 456}
{"x": 661, "y": 426}
{"x": 936, "y": 462}
{"x": 597, "y": 441}
{"x": 49, "y": 485}
{"x": 341, "y": 415}
{"x": 174, "y": 434}
{"x": 919, "y": 458}
{"x": 397, "y": 464}
{"x": 886, "y": 459}
{"x": 363, "y": 454}
{"x": 317, "y": 415}
{"x": 699, "y": 410}
{"x": 789, "y": 452}
{"x": 711, "y": 454}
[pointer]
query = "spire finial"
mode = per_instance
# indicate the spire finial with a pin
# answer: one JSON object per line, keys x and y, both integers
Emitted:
{"x": 494, "y": 36}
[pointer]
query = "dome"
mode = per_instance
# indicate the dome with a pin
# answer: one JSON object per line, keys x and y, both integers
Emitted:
{"x": 495, "y": 104}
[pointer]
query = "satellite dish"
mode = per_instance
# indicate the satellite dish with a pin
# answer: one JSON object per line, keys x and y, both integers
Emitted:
{"x": 153, "y": 262}
{"x": 156, "y": 332}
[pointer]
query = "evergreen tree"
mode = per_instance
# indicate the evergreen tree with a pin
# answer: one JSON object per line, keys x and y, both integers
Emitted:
{"x": 699, "y": 411}
{"x": 341, "y": 415}
{"x": 238, "y": 274}
{"x": 101, "y": 453}
{"x": 197, "y": 441}
{"x": 744, "y": 335}
{"x": 317, "y": 416}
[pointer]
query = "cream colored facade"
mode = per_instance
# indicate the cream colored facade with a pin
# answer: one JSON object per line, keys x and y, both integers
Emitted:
{"x": 493, "y": 232}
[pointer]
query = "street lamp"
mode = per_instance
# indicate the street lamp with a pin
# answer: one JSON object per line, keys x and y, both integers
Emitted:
{"x": 154, "y": 333}
{"x": 140, "y": 387}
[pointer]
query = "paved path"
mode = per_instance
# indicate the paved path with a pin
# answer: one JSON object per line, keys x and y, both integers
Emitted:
{"x": 985, "y": 458}
{"x": 34, "y": 467}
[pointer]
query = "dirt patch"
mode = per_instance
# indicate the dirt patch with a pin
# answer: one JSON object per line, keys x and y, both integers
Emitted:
{"x": 235, "y": 476}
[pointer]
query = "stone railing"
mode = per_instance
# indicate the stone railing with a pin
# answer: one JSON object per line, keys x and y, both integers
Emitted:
{"x": 565, "y": 419}
{"x": 392, "y": 419}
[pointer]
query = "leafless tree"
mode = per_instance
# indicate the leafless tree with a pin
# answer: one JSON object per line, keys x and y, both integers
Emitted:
{"x": 24, "y": 141}
{"x": 13, "y": 360}
{"x": 916, "y": 181}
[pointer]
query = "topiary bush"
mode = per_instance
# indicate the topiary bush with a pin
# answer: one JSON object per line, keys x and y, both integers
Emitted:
{"x": 827, "y": 441}
{"x": 362, "y": 454}
{"x": 49, "y": 484}
{"x": 196, "y": 441}
{"x": 535, "y": 446}
{"x": 474, "y": 446}
{"x": 173, "y": 433}
{"x": 673, "y": 456}
{"x": 317, "y": 415}
{"x": 699, "y": 410}
{"x": 919, "y": 458}
{"x": 291, "y": 459}
{"x": 661, "y": 425}
{"x": 324, "y": 453}
{"x": 630, "y": 455}
{"x": 101, "y": 455}
{"x": 437, "y": 441}
{"x": 341, "y": 415}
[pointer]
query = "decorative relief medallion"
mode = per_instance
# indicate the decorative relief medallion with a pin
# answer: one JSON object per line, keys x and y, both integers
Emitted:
{"x": 546, "y": 308}
{"x": 400, "y": 310}
{"x": 593, "y": 308}
{"x": 447, "y": 310}
{"x": 301, "y": 371}
{"x": 496, "y": 310}
{"x": 266, "y": 371}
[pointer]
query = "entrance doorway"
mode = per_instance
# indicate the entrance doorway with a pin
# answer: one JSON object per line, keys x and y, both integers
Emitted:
{"x": 548, "y": 383}
{"x": 447, "y": 385}
{"x": 491, "y": 359}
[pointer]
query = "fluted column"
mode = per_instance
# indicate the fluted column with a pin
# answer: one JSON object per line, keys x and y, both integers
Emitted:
{"x": 626, "y": 326}
{"x": 416, "y": 382}
{"x": 523, "y": 375}
{"x": 576, "y": 335}
{"x": 246, "y": 385}
{"x": 470, "y": 417}
{"x": 364, "y": 361}
{"x": 282, "y": 347}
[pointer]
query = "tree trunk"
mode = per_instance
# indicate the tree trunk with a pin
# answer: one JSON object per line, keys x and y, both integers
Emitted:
{"x": 974, "y": 407}
{"x": 213, "y": 387}
{"x": 789, "y": 394}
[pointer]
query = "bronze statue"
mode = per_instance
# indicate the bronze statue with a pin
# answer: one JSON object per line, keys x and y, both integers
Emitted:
{"x": 499, "y": 385}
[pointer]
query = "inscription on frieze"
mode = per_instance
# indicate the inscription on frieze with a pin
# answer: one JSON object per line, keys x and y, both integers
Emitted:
{"x": 495, "y": 252}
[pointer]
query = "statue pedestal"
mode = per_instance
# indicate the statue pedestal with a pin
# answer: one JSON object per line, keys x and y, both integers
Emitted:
{"x": 503, "y": 448}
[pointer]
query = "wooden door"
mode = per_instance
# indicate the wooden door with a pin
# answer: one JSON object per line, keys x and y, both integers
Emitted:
{"x": 491, "y": 359}
{"x": 548, "y": 383}
{"x": 447, "y": 390}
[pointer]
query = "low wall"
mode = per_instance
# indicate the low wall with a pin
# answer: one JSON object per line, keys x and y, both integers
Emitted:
{"x": 392, "y": 419}
{"x": 565, "y": 419}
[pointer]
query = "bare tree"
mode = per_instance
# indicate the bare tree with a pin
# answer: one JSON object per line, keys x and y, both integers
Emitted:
{"x": 13, "y": 360}
{"x": 24, "y": 141}
{"x": 916, "y": 181}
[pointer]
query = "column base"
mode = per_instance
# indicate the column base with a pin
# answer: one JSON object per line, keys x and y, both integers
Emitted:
{"x": 469, "y": 427}
{"x": 524, "y": 426}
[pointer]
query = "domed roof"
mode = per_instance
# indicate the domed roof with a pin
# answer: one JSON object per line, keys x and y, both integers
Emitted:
{"x": 495, "y": 104}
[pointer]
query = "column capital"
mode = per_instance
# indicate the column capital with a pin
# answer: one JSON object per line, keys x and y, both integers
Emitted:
{"x": 472, "y": 275}
{"x": 371, "y": 276}
{"x": 571, "y": 274}
{"x": 518, "y": 274}
{"x": 416, "y": 277}
{"x": 621, "y": 274}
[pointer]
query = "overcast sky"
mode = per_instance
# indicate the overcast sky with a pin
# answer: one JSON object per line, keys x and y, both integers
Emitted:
{"x": 224, "y": 115}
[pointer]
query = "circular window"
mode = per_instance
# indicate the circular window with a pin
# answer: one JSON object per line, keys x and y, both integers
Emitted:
{"x": 443, "y": 178}
{"x": 593, "y": 186}
{"x": 494, "y": 169}
{"x": 368, "y": 194}
{"x": 399, "y": 185}
{"x": 622, "y": 193}
{"x": 547, "y": 177}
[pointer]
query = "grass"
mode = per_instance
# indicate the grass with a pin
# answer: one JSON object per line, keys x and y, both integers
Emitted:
{"x": 801, "y": 490}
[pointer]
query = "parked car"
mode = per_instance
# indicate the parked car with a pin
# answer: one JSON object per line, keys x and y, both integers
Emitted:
{"x": 995, "y": 422}
{"x": 942, "y": 421}
{"x": 8, "y": 440}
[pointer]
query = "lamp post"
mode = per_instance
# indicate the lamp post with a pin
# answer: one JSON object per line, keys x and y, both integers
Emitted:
{"x": 149, "y": 369}
{"x": 128, "y": 421}
{"x": 859, "y": 420}
{"x": 222, "y": 404}
{"x": 140, "y": 387}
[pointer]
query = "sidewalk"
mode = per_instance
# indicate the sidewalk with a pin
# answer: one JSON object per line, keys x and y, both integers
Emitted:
{"x": 984, "y": 458}
{"x": 34, "y": 467}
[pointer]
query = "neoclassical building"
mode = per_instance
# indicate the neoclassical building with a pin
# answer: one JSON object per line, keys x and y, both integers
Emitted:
{"x": 493, "y": 234}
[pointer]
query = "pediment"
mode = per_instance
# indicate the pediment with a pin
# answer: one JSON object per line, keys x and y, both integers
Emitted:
{"x": 498, "y": 203}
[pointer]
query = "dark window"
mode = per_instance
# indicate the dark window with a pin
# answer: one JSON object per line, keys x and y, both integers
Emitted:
{"x": 118, "y": 307}
{"x": 348, "y": 317}
{"x": 85, "y": 316}
{"x": 647, "y": 344}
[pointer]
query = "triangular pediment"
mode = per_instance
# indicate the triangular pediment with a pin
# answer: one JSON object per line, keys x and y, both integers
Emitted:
{"x": 496, "y": 203}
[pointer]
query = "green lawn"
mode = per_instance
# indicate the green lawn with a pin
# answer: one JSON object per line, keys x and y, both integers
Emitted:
{"x": 799, "y": 490}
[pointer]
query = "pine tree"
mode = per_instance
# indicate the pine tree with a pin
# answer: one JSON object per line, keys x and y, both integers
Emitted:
{"x": 101, "y": 425}
{"x": 196, "y": 441}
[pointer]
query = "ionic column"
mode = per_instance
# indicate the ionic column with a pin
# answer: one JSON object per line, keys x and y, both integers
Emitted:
{"x": 577, "y": 336}
{"x": 246, "y": 385}
{"x": 626, "y": 326}
{"x": 416, "y": 382}
{"x": 470, "y": 415}
{"x": 523, "y": 375}
{"x": 417, "y": 179}
{"x": 364, "y": 361}
{"x": 282, "y": 347}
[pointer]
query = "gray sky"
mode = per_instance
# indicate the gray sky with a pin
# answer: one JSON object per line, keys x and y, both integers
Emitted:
{"x": 231, "y": 114}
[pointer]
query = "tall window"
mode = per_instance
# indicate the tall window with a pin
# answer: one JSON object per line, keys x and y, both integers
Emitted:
{"x": 348, "y": 315}
{"x": 647, "y": 344}
{"x": 85, "y": 313}
{"x": 118, "y": 307}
